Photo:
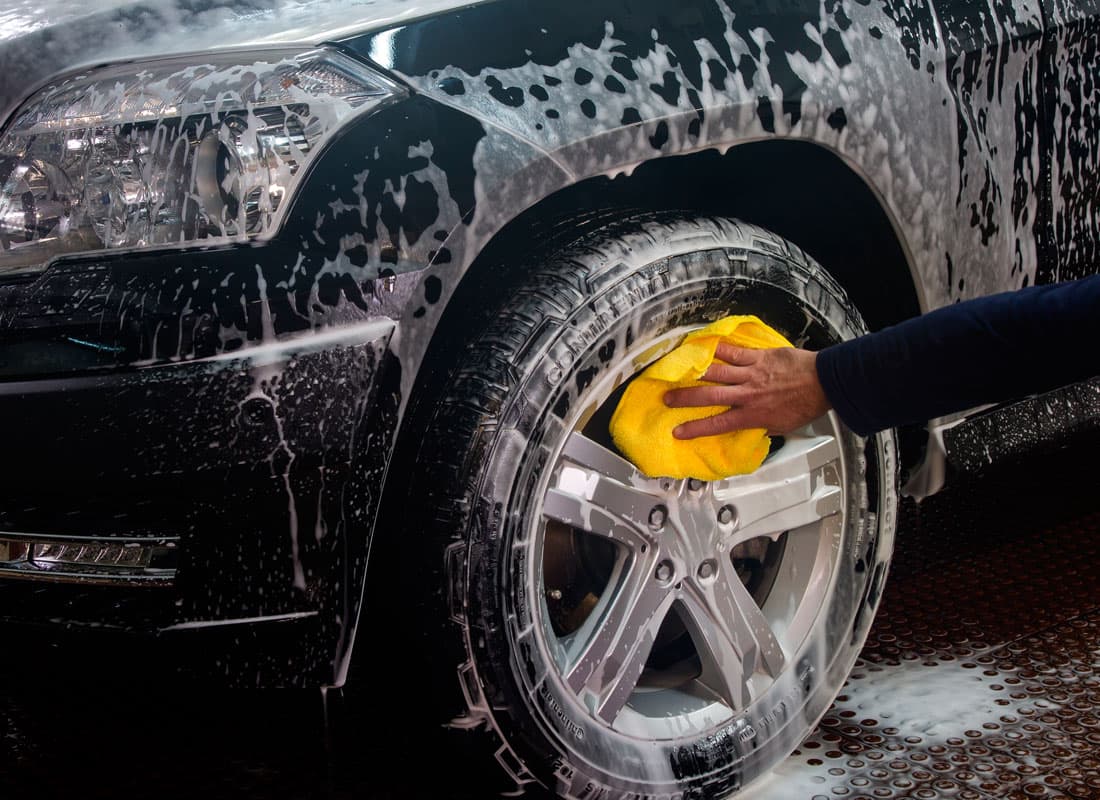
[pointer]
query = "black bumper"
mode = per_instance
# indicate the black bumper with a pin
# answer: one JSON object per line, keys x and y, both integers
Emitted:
{"x": 254, "y": 459}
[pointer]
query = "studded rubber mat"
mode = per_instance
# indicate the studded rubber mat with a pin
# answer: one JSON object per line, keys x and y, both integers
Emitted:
{"x": 980, "y": 679}
{"x": 981, "y": 675}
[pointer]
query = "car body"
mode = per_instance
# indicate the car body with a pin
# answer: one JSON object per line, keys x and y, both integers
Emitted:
{"x": 230, "y": 409}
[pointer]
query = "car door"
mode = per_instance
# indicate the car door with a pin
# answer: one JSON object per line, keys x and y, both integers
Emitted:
{"x": 1073, "y": 48}
{"x": 993, "y": 53}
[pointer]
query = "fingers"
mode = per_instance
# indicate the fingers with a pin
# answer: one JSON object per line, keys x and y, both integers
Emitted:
{"x": 724, "y": 373}
{"x": 737, "y": 356}
{"x": 732, "y": 420}
{"x": 703, "y": 396}
{"x": 731, "y": 369}
{"x": 731, "y": 364}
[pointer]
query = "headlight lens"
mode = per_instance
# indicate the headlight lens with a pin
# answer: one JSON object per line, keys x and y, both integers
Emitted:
{"x": 176, "y": 151}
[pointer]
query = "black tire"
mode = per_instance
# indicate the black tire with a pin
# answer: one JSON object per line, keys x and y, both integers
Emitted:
{"x": 577, "y": 324}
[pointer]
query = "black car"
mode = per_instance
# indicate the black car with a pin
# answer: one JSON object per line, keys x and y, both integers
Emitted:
{"x": 313, "y": 316}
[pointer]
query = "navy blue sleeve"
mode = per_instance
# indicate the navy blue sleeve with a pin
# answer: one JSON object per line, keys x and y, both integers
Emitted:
{"x": 988, "y": 350}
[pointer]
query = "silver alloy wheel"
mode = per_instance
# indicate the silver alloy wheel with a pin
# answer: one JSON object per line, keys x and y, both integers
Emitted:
{"x": 673, "y": 546}
{"x": 621, "y": 637}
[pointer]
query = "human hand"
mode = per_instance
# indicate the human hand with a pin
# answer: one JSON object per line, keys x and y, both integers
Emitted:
{"x": 775, "y": 389}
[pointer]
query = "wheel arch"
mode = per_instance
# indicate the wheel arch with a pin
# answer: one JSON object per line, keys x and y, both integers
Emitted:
{"x": 798, "y": 189}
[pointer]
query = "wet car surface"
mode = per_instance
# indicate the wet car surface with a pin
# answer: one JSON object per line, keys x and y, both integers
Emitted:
{"x": 313, "y": 312}
{"x": 980, "y": 679}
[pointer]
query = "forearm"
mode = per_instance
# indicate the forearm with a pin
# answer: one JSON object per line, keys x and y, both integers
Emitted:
{"x": 987, "y": 350}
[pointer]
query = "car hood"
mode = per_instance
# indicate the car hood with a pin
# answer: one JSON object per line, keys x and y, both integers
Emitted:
{"x": 39, "y": 38}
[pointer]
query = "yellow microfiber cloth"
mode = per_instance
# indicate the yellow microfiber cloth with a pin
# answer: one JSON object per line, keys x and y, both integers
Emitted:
{"x": 642, "y": 424}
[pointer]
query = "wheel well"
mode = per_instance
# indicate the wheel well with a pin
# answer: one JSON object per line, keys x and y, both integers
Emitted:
{"x": 799, "y": 190}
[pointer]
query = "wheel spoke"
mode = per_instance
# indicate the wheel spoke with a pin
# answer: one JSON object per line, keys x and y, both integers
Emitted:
{"x": 798, "y": 456}
{"x": 726, "y": 669}
{"x": 612, "y": 659}
{"x": 598, "y": 481}
{"x": 732, "y": 635}
{"x": 786, "y": 492}
{"x": 584, "y": 452}
{"x": 587, "y": 516}
{"x": 796, "y": 505}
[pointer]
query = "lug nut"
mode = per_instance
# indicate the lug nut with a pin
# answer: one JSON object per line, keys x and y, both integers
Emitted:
{"x": 707, "y": 569}
{"x": 727, "y": 514}
{"x": 658, "y": 515}
{"x": 554, "y": 594}
{"x": 664, "y": 572}
{"x": 694, "y": 484}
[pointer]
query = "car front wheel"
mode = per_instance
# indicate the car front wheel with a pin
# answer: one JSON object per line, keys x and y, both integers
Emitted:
{"x": 619, "y": 635}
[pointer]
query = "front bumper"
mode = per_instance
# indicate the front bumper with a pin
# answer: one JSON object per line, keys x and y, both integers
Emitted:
{"x": 236, "y": 469}
{"x": 102, "y": 636}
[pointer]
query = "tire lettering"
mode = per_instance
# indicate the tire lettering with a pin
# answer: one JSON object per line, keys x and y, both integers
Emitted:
{"x": 857, "y": 541}
{"x": 519, "y": 570}
{"x": 779, "y": 713}
{"x": 572, "y": 727}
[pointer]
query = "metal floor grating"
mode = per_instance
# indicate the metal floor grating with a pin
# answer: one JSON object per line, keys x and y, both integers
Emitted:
{"x": 981, "y": 675}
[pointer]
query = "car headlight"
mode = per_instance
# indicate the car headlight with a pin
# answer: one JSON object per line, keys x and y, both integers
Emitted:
{"x": 201, "y": 149}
